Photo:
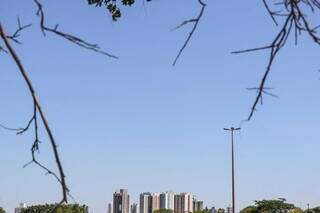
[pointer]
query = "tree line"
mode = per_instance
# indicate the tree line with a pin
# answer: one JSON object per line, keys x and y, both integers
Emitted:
{"x": 54, "y": 208}
{"x": 263, "y": 206}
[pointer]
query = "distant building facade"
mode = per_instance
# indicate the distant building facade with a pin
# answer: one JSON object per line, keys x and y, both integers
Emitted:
{"x": 178, "y": 203}
{"x": 183, "y": 203}
{"x": 20, "y": 208}
{"x": 146, "y": 202}
{"x": 134, "y": 208}
{"x": 155, "y": 201}
{"x": 229, "y": 209}
{"x": 121, "y": 201}
{"x": 109, "y": 208}
{"x": 213, "y": 210}
{"x": 197, "y": 205}
{"x": 167, "y": 200}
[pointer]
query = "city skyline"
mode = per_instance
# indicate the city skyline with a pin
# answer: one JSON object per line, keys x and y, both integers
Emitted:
{"x": 184, "y": 202}
{"x": 177, "y": 202}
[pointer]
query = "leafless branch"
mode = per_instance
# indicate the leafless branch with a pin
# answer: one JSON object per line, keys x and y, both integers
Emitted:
{"x": 294, "y": 19}
{"x": 272, "y": 14}
{"x": 195, "y": 22}
{"x": 10, "y": 128}
{"x": 14, "y": 37}
{"x": 37, "y": 109}
{"x": 73, "y": 39}
{"x": 3, "y": 50}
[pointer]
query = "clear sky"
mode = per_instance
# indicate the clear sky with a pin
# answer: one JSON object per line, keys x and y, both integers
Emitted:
{"x": 140, "y": 123}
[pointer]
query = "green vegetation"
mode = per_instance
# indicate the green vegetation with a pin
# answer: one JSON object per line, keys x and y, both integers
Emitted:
{"x": 314, "y": 210}
{"x": 70, "y": 208}
{"x": 163, "y": 211}
{"x": 206, "y": 210}
{"x": 276, "y": 206}
{"x": 2, "y": 210}
{"x": 221, "y": 211}
{"x": 270, "y": 206}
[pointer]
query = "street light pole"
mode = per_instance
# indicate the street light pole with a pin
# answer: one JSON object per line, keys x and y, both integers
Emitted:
{"x": 232, "y": 129}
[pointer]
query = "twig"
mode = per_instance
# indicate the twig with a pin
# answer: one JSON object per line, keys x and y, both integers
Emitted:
{"x": 3, "y": 50}
{"x": 10, "y": 128}
{"x": 16, "y": 34}
{"x": 270, "y": 12}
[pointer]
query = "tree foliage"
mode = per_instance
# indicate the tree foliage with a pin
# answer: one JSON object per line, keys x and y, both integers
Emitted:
{"x": 297, "y": 210}
{"x": 163, "y": 211}
{"x": 313, "y": 210}
{"x": 56, "y": 208}
{"x": 270, "y": 206}
{"x": 220, "y": 210}
{"x": 2, "y": 210}
{"x": 249, "y": 209}
{"x": 206, "y": 210}
{"x": 111, "y": 6}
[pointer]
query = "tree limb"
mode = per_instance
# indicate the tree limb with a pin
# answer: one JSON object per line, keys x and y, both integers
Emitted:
{"x": 38, "y": 109}
{"x": 195, "y": 22}
{"x": 73, "y": 39}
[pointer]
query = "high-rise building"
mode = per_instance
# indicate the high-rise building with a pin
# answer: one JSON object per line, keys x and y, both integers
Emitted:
{"x": 229, "y": 209}
{"x": 197, "y": 205}
{"x": 20, "y": 208}
{"x": 162, "y": 201}
{"x": 178, "y": 203}
{"x": 146, "y": 202}
{"x": 155, "y": 201}
{"x": 167, "y": 200}
{"x": 213, "y": 210}
{"x": 183, "y": 203}
{"x": 109, "y": 208}
{"x": 134, "y": 208}
{"x": 121, "y": 201}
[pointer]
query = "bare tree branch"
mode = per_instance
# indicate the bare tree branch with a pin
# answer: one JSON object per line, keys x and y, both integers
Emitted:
{"x": 3, "y": 50}
{"x": 37, "y": 109}
{"x": 73, "y": 39}
{"x": 272, "y": 14}
{"x": 195, "y": 22}
{"x": 294, "y": 18}
{"x": 10, "y": 128}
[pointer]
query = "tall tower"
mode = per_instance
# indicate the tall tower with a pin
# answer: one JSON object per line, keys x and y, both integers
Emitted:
{"x": 167, "y": 200}
{"x": 178, "y": 203}
{"x": 121, "y": 201}
{"x": 155, "y": 201}
{"x": 109, "y": 208}
{"x": 145, "y": 202}
{"x": 197, "y": 205}
{"x": 183, "y": 203}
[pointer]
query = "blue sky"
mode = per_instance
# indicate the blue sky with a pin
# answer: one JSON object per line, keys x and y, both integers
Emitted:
{"x": 140, "y": 123}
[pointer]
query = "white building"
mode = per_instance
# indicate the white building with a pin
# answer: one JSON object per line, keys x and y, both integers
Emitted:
{"x": 167, "y": 200}
{"x": 20, "y": 208}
